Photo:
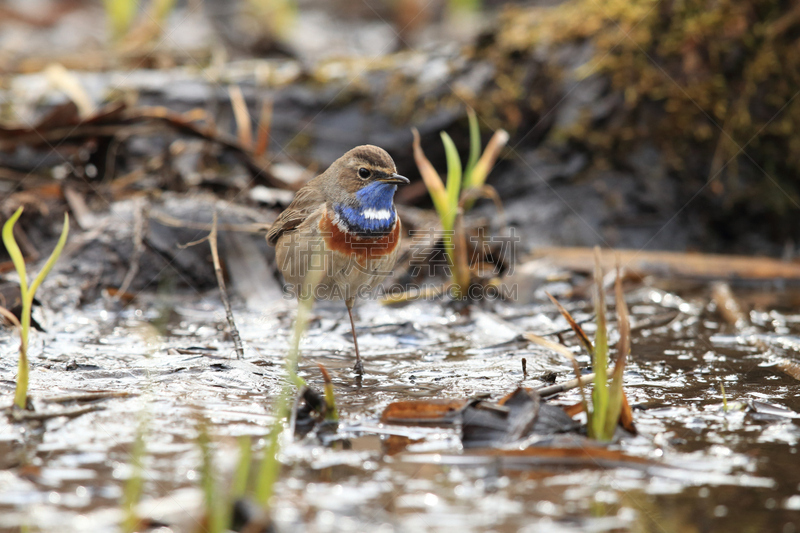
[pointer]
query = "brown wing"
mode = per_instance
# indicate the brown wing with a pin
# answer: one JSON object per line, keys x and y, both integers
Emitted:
{"x": 305, "y": 202}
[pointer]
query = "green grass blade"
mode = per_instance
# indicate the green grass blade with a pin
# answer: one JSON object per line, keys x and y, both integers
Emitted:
{"x": 120, "y": 14}
{"x": 467, "y": 6}
{"x": 242, "y": 473}
{"x": 270, "y": 466}
{"x": 23, "y": 369}
{"x": 132, "y": 492}
{"x": 52, "y": 259}
{"x": 331, "y": 413}
{"x": 161, "y": 9}
{"x": 600, "y": 362}
{"x": 454, "y": 176}
{"x": 277, "y": 15}
{"x": 474, "y": 147}
{"x": 724, "y": 397}
{"x": 13, "y": 250}
{"x": 214, "y": 503}
{"x": 27, "y": 293}
{"x": 21, "y": 392}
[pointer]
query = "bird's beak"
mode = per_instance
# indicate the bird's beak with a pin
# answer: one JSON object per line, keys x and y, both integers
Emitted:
{"x": 395, "y": 178}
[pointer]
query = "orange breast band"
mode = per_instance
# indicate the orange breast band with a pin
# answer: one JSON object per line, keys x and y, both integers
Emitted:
{"x": 363, "y": 248}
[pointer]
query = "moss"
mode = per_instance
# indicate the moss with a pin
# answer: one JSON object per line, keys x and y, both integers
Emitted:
{"x": 701, "y": 79}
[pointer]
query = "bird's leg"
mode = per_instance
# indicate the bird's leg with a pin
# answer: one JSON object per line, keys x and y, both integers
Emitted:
{"x": 359, "y": 368}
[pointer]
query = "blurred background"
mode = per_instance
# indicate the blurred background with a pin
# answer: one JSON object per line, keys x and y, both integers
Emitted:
{"x": 641, "y": 124}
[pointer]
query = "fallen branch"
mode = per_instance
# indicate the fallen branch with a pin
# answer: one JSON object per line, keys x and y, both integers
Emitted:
{"x": 20, "y": 415}
{"x": 87, "y": 396}
{"x": 64, "y": 125}
{"x": 567, "y": 385}
{"x": 171, "y": 221}
{"x": 682, "y": 265}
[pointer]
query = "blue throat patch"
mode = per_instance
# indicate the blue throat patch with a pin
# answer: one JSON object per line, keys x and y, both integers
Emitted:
{"x": 372, "y": 201}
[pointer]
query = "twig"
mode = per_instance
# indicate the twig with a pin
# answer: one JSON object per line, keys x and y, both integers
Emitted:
{"x": 573, "y": 324}
{"x": 563, "y": 350}
{"x": 114, "y": 120}
{"x": 212, "y": 241}
{"x": 68, "y": 83}
{"x": 77, "y": 204}
{"x": 244, "y": 127}
{"x": 140, "y": 227}
{"x": 234, "y": 331}
{"x": 567, "y": 385}
{"x": 12, "y": 175}
{"x": 264, "y": 126}
{"x": 21, "y": 414}
{"x": 171, "y": 221}
{"x": 87, "y": 396}
{"x": 728, "y": 306}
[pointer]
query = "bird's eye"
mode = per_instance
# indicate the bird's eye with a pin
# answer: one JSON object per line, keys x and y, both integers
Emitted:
{"x": 364, "y": 173}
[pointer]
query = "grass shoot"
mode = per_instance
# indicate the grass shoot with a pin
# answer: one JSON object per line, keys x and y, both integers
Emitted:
{"x": 724, "y": 397}
{"x": 608, "y": 404}
{"x": 132, "y": 492}
{"x": 464, "y": 185}
{"x": 278, "y": 16}
{"x": 331, "y": 414}
{"x": 223, "y": 510}
{"x": 120, "y": 15}
{"x": 471, "y": 7}
{"x": 27, "y": 293}
{"x": 242, "y": 474}
{"x": 270, "y": 466}
{"x": 218, "y": 509}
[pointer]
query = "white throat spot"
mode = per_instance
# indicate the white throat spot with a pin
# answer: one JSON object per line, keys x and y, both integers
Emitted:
{"x": 339, "y": 222}
{"x": 377, "y": 214}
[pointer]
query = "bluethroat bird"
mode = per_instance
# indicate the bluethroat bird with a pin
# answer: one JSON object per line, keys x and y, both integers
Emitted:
{"x": 342, "y": 223}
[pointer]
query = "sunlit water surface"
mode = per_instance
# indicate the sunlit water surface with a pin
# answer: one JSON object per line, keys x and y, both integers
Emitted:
{"x": 710, "y": 469}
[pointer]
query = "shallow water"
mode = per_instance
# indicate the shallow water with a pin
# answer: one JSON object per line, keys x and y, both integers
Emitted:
{"x": 700, "y": 468}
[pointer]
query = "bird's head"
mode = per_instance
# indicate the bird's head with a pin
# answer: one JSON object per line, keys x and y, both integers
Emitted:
{"x": 361, "y": 186}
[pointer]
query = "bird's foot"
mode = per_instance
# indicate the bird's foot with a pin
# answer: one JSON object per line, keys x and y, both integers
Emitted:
{"x": 359, "y": 368}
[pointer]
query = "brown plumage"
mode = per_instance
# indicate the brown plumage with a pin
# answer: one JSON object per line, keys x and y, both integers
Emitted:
{"x": 337, "y": 183}
{"x": 348, "y": 214}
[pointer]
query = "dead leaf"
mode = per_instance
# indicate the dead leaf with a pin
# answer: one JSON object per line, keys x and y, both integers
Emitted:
{"x": 418, "y": 413}
{"x": 626, "y": 416}
{"x": 395, "y": 444}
